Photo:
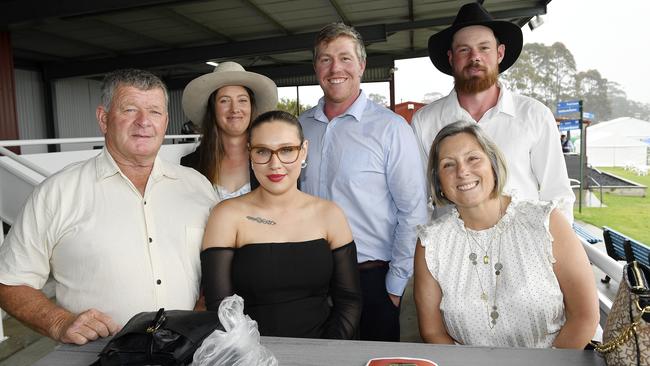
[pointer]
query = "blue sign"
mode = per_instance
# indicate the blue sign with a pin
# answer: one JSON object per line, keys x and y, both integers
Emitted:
{"x": 588, "y": 115}
{"x": 568, "y": 107}
{"x": 568, "y": 103}
{"x": 571, "y": 124}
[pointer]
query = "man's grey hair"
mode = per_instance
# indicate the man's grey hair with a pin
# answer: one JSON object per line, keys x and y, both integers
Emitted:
{"x": 333, "y": 31}
{"x": 140, "y": 79}
{"x": 495, "y": 156}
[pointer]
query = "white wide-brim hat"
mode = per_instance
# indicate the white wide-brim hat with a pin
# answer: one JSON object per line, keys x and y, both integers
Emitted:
{"x": 197, "y": 92}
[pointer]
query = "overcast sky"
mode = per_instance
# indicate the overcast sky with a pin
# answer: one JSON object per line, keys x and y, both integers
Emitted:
{"x": 610, "y": 36}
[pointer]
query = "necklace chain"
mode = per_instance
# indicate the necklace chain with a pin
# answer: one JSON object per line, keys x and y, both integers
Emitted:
{"x": 488, "y": 247}
{"x": 493, "y": 311}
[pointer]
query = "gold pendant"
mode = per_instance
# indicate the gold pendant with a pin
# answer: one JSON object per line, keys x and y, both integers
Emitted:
{"x": 484, "y": 296}
{"x": 486, "y": 259}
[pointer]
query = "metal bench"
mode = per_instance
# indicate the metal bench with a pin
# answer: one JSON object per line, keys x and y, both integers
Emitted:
{"x": 582, "y": 232}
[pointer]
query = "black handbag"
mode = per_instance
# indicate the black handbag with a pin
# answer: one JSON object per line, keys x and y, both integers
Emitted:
{"x": 166, "y": 338}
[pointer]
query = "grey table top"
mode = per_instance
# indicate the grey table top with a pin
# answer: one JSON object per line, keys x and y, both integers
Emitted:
{"x": 308, "y": 352}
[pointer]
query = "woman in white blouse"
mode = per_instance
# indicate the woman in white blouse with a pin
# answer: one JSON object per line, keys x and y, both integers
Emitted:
{"x": 497, "y": 271}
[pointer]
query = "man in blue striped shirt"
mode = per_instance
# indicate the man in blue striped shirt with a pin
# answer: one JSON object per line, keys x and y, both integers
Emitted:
{"x": 364, "y": 157}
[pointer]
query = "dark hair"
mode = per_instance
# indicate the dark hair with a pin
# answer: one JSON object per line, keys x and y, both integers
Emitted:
{"x": 143, "y": 80}
{"x": 211, "y": 151}
{"x": 489, "y": 148}
{"x": 277, "y": 115}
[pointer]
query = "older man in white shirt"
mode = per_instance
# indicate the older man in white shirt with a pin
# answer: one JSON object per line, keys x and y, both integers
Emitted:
{"x": 120, "y": 233}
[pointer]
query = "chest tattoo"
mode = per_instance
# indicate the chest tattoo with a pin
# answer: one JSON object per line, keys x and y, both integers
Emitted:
{"x": 261, "y": 220}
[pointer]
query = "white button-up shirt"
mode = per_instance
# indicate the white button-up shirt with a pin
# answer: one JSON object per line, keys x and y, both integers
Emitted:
{"x": 108, "y": 247}
{"x": 525, "y": 131}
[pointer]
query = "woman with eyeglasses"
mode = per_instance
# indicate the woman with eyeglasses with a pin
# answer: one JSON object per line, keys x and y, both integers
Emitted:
{"x": 286, "y": 253}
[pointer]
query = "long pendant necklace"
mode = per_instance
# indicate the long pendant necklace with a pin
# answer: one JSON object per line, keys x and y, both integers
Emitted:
{"x": 493, "y": 311}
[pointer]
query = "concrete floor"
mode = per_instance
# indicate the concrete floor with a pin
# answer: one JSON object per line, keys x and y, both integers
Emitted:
{"x": 23, "y": 346}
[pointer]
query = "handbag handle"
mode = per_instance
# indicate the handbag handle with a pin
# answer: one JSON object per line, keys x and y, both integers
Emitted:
{"x": 622, "y": 338}
{"x": 157, "y": 322}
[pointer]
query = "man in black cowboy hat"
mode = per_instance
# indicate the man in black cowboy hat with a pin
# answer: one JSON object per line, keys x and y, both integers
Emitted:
{"x": 474, "y": 50}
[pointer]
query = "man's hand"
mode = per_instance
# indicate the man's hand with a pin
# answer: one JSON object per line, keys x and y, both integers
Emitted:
{"x": 395, "y": 299}
{"x": 85, "y": 327}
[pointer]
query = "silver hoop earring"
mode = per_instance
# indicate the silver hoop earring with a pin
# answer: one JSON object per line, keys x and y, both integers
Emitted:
{"x": 303, "y": 164}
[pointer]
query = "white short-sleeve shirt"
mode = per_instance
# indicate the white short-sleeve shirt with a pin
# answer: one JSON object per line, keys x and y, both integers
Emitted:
{"x": 528, "y": 297}
{"x": 108, "y": 247}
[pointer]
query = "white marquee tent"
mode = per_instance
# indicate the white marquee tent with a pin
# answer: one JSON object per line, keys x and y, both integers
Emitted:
{"x": 618, "y": 142}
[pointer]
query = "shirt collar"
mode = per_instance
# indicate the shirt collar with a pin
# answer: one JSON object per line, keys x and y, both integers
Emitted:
{"x": 454, "y": 111}
{"x": 106, "y": 167}
{"x": 355, "y": 110}
{"x": 506, "y": 103}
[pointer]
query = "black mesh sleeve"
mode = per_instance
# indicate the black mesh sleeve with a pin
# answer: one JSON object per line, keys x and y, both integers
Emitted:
{"x": 216, "y": 264}
{"x": 345, "y": 291}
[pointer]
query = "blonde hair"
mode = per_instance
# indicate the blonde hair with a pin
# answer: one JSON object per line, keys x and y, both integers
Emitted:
{"x": 333, "y": 31}
{"x": 497, "y": 161}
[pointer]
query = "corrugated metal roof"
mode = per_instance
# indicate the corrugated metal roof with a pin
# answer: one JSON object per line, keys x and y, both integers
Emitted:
{"x": 175, "y": 38}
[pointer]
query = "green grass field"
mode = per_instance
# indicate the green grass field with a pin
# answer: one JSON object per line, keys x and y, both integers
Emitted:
{"x": 628, "y": 215}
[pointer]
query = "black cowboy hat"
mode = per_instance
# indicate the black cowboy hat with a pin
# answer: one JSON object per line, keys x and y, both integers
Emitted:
{"x": 507, "y": 33}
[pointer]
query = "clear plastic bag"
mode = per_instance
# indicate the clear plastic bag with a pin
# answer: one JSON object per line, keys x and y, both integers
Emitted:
{"x": 238, "y": 345}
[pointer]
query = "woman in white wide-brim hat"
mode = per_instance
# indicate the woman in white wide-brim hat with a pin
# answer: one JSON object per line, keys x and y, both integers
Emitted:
{"x": 224, "y": 102}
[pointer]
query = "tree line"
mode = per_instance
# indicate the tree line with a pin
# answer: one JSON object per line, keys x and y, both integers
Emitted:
{"x": 549, "y": 74}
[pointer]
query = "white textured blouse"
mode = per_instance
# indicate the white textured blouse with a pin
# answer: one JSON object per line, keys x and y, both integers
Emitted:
{"x": 224, "y": 194}
{"x": 529, "y": 301}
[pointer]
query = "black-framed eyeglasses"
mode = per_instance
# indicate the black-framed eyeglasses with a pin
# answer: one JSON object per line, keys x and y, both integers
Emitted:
{"x": 286, "y": 154}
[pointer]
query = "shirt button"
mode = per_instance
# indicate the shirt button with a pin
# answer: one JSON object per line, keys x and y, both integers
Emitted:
{"x": 145, "y": 202}
{"x": 158, "y": 282}
{"x": 150, "y": 240}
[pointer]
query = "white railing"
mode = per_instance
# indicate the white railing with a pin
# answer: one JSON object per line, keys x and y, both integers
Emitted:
{"x": 610, "y": 267}
{"x": 600, "y": 259}
{"x": 18, "y": 158}
{"x": 75, "y": 140}
{"x": 38, "y": 169}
